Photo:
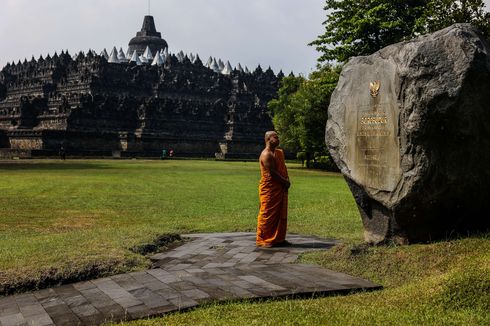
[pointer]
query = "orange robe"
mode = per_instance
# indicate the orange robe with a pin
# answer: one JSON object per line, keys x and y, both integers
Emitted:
{"x": 272, "y": 219}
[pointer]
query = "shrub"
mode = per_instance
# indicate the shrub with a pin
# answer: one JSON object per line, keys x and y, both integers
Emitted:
{"x": 301, "y": 156}
{"x": 324, "y": 162}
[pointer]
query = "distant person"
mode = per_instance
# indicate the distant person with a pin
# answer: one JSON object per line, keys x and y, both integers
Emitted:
{"x": 171, "y": 153}
{"x": 62, "y": 153}
{"x": 164, "y": 154}
{"x": 273, "y": 194}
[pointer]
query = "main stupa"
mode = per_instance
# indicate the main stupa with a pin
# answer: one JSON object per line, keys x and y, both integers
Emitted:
{"x": 147, "y": 37}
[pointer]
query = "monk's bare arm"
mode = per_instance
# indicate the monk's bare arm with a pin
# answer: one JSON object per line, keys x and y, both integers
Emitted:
{"x": 268, "y": 160}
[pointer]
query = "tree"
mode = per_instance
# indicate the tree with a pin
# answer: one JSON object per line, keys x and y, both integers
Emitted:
{"x": 300, "y": 111}
{"x": 362, "y": 27}
{"x": 464, "y": 11}
{"x": 284, "y": 112}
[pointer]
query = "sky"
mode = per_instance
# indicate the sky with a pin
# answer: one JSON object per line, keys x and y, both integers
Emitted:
{"x": 267, "y": 32}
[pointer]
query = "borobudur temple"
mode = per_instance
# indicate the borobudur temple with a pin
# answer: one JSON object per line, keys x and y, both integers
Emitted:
{"x": 134, "y": 104}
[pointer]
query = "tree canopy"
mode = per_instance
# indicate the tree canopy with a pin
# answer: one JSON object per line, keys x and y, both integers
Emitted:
{"x": 443, "y": 13}
{"x": 354, "y": 28}
{"x": 361, "y": 27}
{"x": 300, "y": 112}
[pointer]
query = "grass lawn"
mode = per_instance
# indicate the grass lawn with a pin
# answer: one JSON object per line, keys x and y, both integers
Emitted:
{"x": 76, "y": 219}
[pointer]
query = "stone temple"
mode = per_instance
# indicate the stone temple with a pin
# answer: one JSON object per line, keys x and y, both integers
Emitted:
{"x": 134, "y": 104}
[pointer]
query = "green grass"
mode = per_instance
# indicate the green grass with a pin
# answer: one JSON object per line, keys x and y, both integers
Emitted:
{"x": 66, "y": 219}
{"x": 77, "y": 219}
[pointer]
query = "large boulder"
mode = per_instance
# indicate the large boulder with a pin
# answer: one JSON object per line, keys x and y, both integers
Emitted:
{"x": 409, "y": 128}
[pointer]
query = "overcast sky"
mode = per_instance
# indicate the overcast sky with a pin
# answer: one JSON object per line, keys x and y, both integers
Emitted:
{"x": 270, "y": 32}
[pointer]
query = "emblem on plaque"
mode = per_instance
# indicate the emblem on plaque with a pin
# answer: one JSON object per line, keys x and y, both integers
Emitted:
{"x": 374, "y": 88}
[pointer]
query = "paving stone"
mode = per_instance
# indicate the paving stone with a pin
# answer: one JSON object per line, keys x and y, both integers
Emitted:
{"x": 211, "y": 267}
{"x": 283, "y": 279}
{"x": 181, "y": 286}
{"x": 138, "y": 276}
{"x": 194, "y": 280}
{"x": 39, "y": 320}
{"x": 32, "y": 310}
{"x": 9, "y": 308}
{"x": 183, "y": 302}
{"x": 51, "y": 302}
{"x": 128, "y": 283}
{"x": 149, "y": 281}
{"x": 243, "y": 284}
{"x": 215, "y": 293}
{"x": 157, "y": 285}
{"x": 62, "y": 315}
{"x": 27, "y": 299}
{"x": 149, "y": 298}
{"x": 12, "y": 320}
{"x": 180, "y": 267}
{"x": 167, "y": 295}
{"x": 66, "y": 291}
{"x": 276, "y": 258}
{"x": 239, "y": 255}
{"x": 43, "y": 294}
{"x": 248, "y": 249}
{"x": 215, "y": 271}
{"x": 85, "y": 310}
{"x": 217, "y": 282}
{"x": 159, "y": 256}
{"x": 241, "y": 292}
{"x": 112, "y": 312}
{"x": 217, "y": 265}
{"x": 117, "y": 293}
{"x": 182, "y": 273}
{"x": 250, "y": 257}
{"x": 127, "y": 302}
{"x": 163, "y": 276}
{"x": 289, "y": 259}
{"x": 95, "y": 319}
{"x": 226, "y": 293}
{"x": 208, "y": 252}
{"x": 273, "y": 287}
{"x": 195, "y": 271}
{"x": 227, "y": 277}
{"x": 97, "y": 298}
{"x": 4, "y": 301}
{"x": 160, "y": 263}
{"x": 201, "y": 257}
{"x": 75, "y": 301}
{"x": 138, "y": 312}
{"x": 157, "y": 311}
{"x": 84, "y": 286}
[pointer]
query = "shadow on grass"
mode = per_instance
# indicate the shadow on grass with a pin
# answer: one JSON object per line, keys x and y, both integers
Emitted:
{"x": 294, "y": 245}
{"x": 52, "y": 166}
{"x": 312, "y": 245}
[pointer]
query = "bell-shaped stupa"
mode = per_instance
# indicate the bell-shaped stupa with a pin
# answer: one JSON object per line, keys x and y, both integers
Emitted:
{"x": 147, "y": 37}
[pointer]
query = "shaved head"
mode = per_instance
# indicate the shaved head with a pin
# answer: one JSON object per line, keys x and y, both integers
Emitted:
{"x": 268, "y": 134}
{"x": 271, "y": 139}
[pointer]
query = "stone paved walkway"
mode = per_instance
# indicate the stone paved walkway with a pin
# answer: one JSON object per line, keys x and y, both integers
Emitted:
{"x": 211, "y": 267}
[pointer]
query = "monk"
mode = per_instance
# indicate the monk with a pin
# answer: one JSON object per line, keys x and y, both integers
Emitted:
{"x": 273, "y": 193}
